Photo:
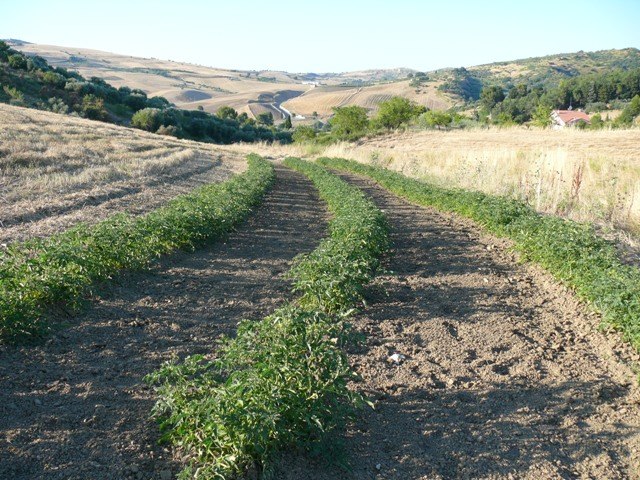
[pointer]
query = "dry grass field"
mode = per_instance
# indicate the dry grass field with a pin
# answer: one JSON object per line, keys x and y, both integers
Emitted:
{"x": 323, "y": 99}
{"x": 57, "y": 171}
{"x": 192, "y": 86}
{"x": 584, "y": 175}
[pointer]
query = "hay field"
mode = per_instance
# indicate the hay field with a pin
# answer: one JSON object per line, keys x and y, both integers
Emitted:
{"x": 583, "y": 175}
{"x": 57, "y": 171}
{"x": 322, "y": 99}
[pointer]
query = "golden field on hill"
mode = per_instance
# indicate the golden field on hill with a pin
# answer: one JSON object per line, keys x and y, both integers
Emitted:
{"x": 192, "y": 86}
{"x": 57, "y": 171}
{"x": 323, "y": 99}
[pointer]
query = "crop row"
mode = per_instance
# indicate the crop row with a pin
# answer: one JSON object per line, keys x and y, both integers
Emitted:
{"x": 62, "y": 268}
{"x": 570, "y": 251}
{"x": 282, "y": 381}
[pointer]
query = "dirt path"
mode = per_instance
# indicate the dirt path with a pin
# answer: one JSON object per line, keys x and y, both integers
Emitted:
{"x": 75, "y": 407}
{"x": 505, "y": 376}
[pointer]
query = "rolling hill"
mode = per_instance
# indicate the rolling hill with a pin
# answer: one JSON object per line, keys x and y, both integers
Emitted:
{"x": 253, "y": 92}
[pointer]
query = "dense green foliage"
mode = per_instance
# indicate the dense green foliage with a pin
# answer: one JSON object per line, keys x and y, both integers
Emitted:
{"x": 32, "y": 82}
{"x": 282, "y": 381}
{"x": 572, "y": 252}
{"x": 463, "y": 84}
{"x": 349, "y": 123}
{"x": 60, "y": 269}
{"x": 397, "y": 111}
{"x": 352, "y": 122}
{"x": 590, "y": 91}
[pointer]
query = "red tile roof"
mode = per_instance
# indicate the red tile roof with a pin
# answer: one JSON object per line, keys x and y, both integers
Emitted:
{"x": 569, "y": 116}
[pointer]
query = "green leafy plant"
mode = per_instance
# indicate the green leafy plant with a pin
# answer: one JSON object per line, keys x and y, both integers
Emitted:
{"x": 571, "y": 251}
{"x": 282, "y": 381}
{"x": 61, "y": 268}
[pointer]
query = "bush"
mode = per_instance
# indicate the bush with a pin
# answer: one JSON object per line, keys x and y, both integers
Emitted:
{"x": 93, "y": 108}
{"x": 396, "y": 112}
{"x": 148, "y": 119}
{"x": 435, "y": 119}
{"x": 349, "y": 122}
{"x": 54, "y": 79}
{"x": 304, "y": 133}
{"x": 18, "y": 61}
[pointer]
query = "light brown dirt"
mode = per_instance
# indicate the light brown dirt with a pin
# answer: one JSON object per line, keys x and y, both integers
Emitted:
{"x": 506, "y": 375}
{"x": 76, "y": 406}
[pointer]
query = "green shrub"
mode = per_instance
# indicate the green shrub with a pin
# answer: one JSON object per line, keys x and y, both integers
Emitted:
{"x": 18, "y": 61}
{"x": 148, "y": 119}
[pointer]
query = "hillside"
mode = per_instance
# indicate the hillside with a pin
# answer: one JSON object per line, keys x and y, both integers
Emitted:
{"x": 253, "y": 92}
{"x": 313, "y": 95}
{"x": 546, "y": 72}
{"x": 57, "y": 171}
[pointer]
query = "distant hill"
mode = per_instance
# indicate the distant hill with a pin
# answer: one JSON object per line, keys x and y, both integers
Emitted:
{"x": 252, "y": 92}
{"x": 30, "y": 81}
{"x": 546, "y": 72}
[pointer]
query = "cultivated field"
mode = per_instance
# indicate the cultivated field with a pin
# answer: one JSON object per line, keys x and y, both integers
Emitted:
{"x": 186, "y": 85}
{"x": 57, "y": 171}
{"x": 322, "y": 99}
{"x": 583, "y": 175}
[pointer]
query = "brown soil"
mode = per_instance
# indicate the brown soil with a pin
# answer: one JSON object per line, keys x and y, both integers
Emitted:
{"x": 506, "y": 375}
{"x": 76, "y": 407}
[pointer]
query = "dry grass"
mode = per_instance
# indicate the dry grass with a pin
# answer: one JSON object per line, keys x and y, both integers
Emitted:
{"x": 323, "y": 99}
{"x": 583, "y": 175}
{"x": 56, "y": 171}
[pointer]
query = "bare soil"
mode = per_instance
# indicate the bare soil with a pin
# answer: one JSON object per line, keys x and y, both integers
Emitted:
{"x": 505, "y": 375}
{"x": 76, "y": 406}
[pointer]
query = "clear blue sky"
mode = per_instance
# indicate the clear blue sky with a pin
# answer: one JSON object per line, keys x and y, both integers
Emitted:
{"x": 327, "y": 35}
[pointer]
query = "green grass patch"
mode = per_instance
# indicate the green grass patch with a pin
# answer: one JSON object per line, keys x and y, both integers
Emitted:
{"x": 571, "y": 251}
{"x": 282, "y": 381}
{"x": 60, "y": 269}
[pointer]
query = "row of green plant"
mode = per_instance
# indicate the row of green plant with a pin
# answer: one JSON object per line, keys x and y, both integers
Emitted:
{"x": 571, "y": 251}
{"x": 60, "y": 269}
{"x": 281, "y": 383}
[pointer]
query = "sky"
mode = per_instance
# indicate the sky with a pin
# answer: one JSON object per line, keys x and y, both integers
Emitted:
{"x": 327, "y": 35}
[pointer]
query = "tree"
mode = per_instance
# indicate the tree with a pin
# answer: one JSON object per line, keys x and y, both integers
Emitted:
{"x": 542, "y": 116}
{"x": 490, "y": 96}
{"x": 629, "y": 113}
{"x": 596, "y": 122}
{"x": 287, "y": 123}
{"x": 397, "y": 111}
{"x": 265, "y": 118}
{"x": 17, "y": 61}
{"x": 304, "y": 133}
{"x": 349, "y": 122}
{"x": 435, "y": 119}
{"x": 149, "y": 119}
{"x": 93, "y": 107}
{"x": 227, "y": 112}
{"x": 54, "y": 79}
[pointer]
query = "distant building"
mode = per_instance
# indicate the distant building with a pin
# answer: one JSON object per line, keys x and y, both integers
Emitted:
{"x": 568, "y": 118}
